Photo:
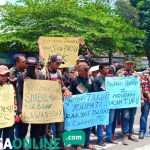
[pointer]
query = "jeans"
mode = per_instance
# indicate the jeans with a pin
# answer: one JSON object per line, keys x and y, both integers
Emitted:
{"x": 116, "y": 120}
{"x": 127, "y": 115}
{"x": 118, "y": 116}
{"x": 87, "y": 135}
{"x": 143, "y": 119}
{"x": 7, "y": 133}
{"x": 53, "y": 126}
{"x": 108, "y": 128}
{"x": 93, "y": 129}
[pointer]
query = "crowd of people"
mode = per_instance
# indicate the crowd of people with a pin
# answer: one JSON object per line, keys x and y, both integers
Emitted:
{"x": 79, "y": 81}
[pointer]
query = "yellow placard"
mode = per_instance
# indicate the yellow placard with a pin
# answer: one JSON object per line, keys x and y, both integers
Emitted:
{"x": 42, "y": 102}
{"x": 6, "y": 106}
{"x": 67, "y": 48}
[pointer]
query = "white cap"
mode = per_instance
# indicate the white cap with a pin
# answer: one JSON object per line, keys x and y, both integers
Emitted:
{"x": 94, "y": 68}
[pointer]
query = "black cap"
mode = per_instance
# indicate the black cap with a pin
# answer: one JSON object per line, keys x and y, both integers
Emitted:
{"x": 56, "y": 58}
{"x": 32, "y": 60}
{"x": 129, "y": 59}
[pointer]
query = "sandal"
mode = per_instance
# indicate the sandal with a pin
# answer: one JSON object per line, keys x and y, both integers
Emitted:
{"x": 113, "y": 137}
{"x": 89, "y": 146}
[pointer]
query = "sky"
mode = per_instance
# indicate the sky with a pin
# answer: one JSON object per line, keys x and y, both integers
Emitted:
{"x": 2, "y": 2}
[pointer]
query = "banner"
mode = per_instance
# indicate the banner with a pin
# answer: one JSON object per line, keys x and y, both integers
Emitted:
{"x": 86, "y": 110}
{"x": 42, "y": 102}
{"x": 6, "y": 106}
{"x": 67, "y": 48}
{"x": 124, "y": 92}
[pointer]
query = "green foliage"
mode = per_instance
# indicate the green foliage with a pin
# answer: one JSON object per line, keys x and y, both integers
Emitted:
{"x": 143, "y": 6}
{"x": 101, "y": 27}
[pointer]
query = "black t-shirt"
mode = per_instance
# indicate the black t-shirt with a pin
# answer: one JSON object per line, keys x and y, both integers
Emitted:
{"x": 100, "y": 83}
{"x": 19, "y": 89}
{"x": 80, "y": 85}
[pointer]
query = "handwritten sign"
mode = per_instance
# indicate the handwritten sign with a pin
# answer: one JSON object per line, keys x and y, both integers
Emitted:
{"x": 42, "y": 102}
{"x": 6, "y": 106}
{"x": 124, "y": 92}
{"x": 65, "y": 47}
{"x": 86, "y": 110}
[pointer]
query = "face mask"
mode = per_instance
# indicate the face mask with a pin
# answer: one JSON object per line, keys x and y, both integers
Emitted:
{"x": 30, "y": 71}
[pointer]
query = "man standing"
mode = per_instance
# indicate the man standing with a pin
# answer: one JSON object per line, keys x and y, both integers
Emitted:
{"x": 19, "y": 66}
{"x": 128, "y": 114}
{"x": 32, "y": 74}
{"x": 51, "y": 72}
{"x": 145, "y": 85}
{"x": 100, "y": 82}
{"x": 80, "y": 85}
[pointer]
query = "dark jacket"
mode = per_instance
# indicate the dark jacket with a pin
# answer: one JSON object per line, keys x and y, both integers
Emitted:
{"x": 19, "y": 90}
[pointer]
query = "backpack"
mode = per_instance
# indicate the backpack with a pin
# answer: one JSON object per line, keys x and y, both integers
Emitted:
{"x": 39, "y": 75}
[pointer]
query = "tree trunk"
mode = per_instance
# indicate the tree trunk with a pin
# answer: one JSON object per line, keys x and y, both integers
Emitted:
{"x": 110, "y": 57}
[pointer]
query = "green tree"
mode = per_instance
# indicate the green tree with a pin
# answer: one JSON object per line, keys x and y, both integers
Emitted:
{"x": 144, "y": 23}
{"x": 101, "y": 27}
{"x": 144, "y": 12}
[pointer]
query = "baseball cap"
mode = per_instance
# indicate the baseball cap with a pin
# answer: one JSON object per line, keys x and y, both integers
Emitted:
{"x": 129, "y": 60}
{"x": 4, "y": 70}
{"x": 56, "y": 58}
{"x": 31, "y": 60}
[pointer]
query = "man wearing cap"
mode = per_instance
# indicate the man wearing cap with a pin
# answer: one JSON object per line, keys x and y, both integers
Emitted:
{"x": 128, "y": 114}
{"x": 51, "y": 72}
{"x": 30, "y": 73}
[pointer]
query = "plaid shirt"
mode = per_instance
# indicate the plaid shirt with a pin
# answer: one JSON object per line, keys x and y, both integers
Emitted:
{"x": 145, "y": 82}
{"x": 124, "y": 73}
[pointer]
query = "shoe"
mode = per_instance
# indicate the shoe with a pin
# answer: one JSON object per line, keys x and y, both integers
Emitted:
{"x": 133, "y": 138}
{"x": 112, "y": 141}
{"x": 141, "y": 135}
{"x": 125, "y": 140}
{"x": 113, "y": 137}
{"x": 101, "y": 143}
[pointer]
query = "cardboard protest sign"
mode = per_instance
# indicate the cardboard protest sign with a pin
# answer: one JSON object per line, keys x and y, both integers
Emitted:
{"x": 86, "y": 110}
{"x": 6, "y": 106}
{"x": 124, "y": 92}
{"x": 42, "y": 102}
{"x": 65, "y": 47}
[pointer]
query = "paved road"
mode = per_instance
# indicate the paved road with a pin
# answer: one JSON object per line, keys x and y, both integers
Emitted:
{"x": 143, "y": 144}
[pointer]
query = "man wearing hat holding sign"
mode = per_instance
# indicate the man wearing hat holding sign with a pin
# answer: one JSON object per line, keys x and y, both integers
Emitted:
{"x": 128, "y": 114}
{"x": 51, "y": 72}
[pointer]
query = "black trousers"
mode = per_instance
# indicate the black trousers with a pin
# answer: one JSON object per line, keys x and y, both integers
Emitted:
{"x": 34, "y": 132}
